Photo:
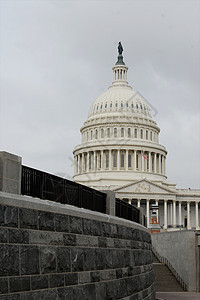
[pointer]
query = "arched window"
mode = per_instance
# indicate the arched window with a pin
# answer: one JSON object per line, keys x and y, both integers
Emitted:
{"x": 87, "y": 135}
{"x": 107, "y": 160}
{"x": 102, "y": 133}
{"x": 129, "y": 132}
{"x": 135, "y": 133}
{"x": 116, "y": 104}
{"x": 110, "y": 104}
{"x": 122, "y": 132}
{"x": 108, "y": 132}
{"x": 151, "y": 135}
{"x": 147, "y": 135}
{"x": 122, "y": 105}
{"x": 106, "y": 105}
{"x": 96, "y": 134}
{"x": 91, "y": 134}
{"x": 90, "y": 161}
{"x": 136, "y": 105}
{"x": 126, "y": 104}
{"x": 115, "y": 132}
{"x": 141, "y": 133}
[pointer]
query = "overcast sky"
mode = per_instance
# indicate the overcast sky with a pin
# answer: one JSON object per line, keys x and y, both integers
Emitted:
{"x": 56, "y": 58}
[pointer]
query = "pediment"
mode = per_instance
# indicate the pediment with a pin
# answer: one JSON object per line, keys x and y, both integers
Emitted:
{"x": 144, "y": 186}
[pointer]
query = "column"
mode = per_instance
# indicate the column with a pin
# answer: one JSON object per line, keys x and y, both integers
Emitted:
{"x": 171, "y": 214}
{"x": 138, "y": 202}
{"x": 156, "y": 203}
{"x": 87, "y": 163}
{"x": 101, "y": 160}
{"x": 126, "y": 160}
{"x": 118, "y": 160}
{"x": 129, "y": 201}
{"x": 150, "y": 162}
{"x": 83, "y": 155}
{"x": 147, "y": 211}
{"x": 134, "y": 161}
{"x": 165, "y": 214}
{"x": 78, "y": 163}
{"x": 110, "y": 160}
{"x": 159, "y": 163}
{"x": 174, "y": 213}
{"x": 75, "y": 163}
{"x": 197, "y": 215}
{"x": 155, "y": 157}
{"x": 188, "y": 215}
{"x": 180, "y": 215}
{"x": 94, "y": 161}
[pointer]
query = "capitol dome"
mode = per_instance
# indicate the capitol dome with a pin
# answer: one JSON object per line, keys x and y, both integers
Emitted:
{"x": 120, "y": 140}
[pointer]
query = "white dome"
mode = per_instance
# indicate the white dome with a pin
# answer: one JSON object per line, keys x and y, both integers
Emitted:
{"x": 120, "y": 99}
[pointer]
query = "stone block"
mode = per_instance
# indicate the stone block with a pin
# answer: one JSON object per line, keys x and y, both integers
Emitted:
{"x": 8, "y": 216}
{"x": 88, "y": 259}
{"x": 76, "y": 224}
{"x": 3, "y": 285}
{"x": 3, "y": 235}
{"x": 65, "y": 293}
{"x": 39, "y": 282}
{"x": 108, "y": 258}
{"x": 56, "y": 280}
{"x": 41, "y": 295}
{"x": 101, "y": 291}
{"x": 63, "y": 259}
{"x": 10, "y": 173}
{"x": 79, "y": 292}
{"x": 46, "y": 238}
{"x": 90, "y": 293}
{"x": 28, "y": 218}
{"x": 84, "y": 277}
{"x": 46, "y": 220}
{"x": 69, "y": 239}
{"x": 29, "y": 260}
{"x": 102, "y": 241}
{"x": 110, "y": 243}
{"x": 71, "y": 279}
{"x": 95, "y": 276}
{"x": 119, "y": 273}
{"x": 47, "y": 260}
{"x": 19, "y": 284}
{"x": 92, "y": 227}
{"x": 82, "y": 240}
{"x": 92, "y": 241}
{"x": 61, "y": 223}
{"x": 77, "y": 258}
{"x": 18, "y": 236}
{"x": 9, "y": 260}
{"x": 11, "y": 297}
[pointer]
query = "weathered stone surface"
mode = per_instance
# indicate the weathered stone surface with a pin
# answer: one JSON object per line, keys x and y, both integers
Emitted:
{"x": 29, "y": 260}
{"x": 92, "y": 241}
{"x": 46, "y": 238}
{"x": 19, "y": 284}
{"x": 92, "y": 227}
{"x": 82, "y": 240}
{"x": 71, "y": 279}
{"x": 63, "y": 259}
{"x": 102, "y": 242}
{"x": 9, "y": 260}
{"x": 56, "y": 280}
{"x": 77, "y": 256}
{"x": 84, "y": 277}
{"x": 40, "y": 295}
{"x": 101, "y": 291}
{"x": 3, "y": 235}
{"x": 46, "y": 220}
{"x": 3, "y": 285}
{"x": 18, "y": 236}
{"x": 47, "y": 260}
{"x": 70, "y": 239}
{"x": 28, "y": 218}
{"x": 79, "y": 292}
{"x": 65, "y": 293}
{"x": 39, "y": 282}
{"x": 95, "y": 276}
{"x": 61, "y": 223}
{"x": 8, "y": 216}
{"x": 75, "y": 224}
{"x": 88, "y": 259}
{"x": 90, "y": 293}
{"x": 11, "y": 297}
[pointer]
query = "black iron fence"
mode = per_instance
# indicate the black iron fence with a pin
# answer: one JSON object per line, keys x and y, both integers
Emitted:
{"x": 42, "y": 185}
{"x": 127, "y": 211}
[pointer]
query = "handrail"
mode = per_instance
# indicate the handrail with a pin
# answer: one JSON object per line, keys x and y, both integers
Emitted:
{"x": 164, "y": 260}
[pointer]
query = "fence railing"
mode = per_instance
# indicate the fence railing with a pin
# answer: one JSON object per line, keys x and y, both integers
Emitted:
{"x": 126, "y": 211}
{"x": 42, "y": 185}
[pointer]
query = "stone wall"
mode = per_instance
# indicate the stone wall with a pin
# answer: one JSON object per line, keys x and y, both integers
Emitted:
{"x": 180, "y": 248}
{"x": 54, "y": 251}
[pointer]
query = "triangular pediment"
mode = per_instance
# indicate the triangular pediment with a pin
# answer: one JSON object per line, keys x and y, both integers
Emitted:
{"x": 143, "y": 186}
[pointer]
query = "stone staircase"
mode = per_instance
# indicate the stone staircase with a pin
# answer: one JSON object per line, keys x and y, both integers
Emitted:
{"x": 164, "y": 279}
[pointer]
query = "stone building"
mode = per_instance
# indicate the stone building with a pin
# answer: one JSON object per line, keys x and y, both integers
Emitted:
{"x": 120, "y": 151}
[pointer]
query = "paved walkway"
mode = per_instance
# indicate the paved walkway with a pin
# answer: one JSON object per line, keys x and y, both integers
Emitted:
{"x": 177, "y": 296}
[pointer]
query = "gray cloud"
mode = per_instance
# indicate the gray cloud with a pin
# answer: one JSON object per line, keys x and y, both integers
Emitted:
{"x": 56, "y": 59}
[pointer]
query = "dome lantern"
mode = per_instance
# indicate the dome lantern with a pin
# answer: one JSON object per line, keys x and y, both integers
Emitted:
{"x": 120, "y": 69}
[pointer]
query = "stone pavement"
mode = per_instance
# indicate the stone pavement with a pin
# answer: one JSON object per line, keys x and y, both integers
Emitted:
{"x": 177, "y": 296}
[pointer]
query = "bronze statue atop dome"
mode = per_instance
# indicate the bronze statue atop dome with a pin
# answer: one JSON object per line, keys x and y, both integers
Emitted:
{"x": 120, "y": 48}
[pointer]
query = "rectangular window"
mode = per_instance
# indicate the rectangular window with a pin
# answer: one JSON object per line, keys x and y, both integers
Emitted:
{"x": 122, "y": 160}
{"x": 107, "y": 160}
{"x": 114, "y": 159}
{"x": 122, "y": 132}
{"x": 129, "y": 132}
{"x": 129, "y": 160}
{"x": 135, "y": 133}
{"x": 146, "y": 134}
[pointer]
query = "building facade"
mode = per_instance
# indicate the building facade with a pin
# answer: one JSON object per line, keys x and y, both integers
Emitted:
{"x": 120, "y": 151}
